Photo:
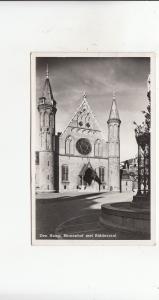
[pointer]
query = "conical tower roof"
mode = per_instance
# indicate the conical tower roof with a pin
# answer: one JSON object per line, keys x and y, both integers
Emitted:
{"x": 114, "y": 114}
{"x": 47, "y": 91}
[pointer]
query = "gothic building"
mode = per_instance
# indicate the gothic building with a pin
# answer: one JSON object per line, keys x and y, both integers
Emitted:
{"x": 79, "y": 158}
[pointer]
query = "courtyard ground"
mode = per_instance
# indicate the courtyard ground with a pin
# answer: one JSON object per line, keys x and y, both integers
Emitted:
{"x": 76, "y": 216}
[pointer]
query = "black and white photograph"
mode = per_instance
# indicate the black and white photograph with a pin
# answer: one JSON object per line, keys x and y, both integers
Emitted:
{"x": 79, "y": 150}
{"x": 91, "y": 148}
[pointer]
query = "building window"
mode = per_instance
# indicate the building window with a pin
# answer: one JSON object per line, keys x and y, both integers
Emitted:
{"x": 46, "y": 119}
{"x": 37, "y": 157}
{"x": 48, "y": 163}
{"x": 65, "y": 187}
{"x": 64, "y": 173}
{"x": 98, "y": 148}
{"x": 48, "y": 187}
{"x": 48, "y": 177}
{"x": 111, "y": 132}
{"x": 41, "y": 120}
{"x": 69, "y": 145}
{"x": 101, "y": 173}
{"x": 51, "y": 120}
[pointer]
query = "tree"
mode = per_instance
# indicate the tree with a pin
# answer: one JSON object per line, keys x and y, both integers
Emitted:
{"x": 146, "y": 125}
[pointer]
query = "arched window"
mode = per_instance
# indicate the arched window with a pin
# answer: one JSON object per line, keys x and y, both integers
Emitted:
{"x": 64, "y": 173}
{"x": 46, "y": 119}
{"x": 115, "y": 131}
{"x": 98, "y": 149}
{"x": 37, "y": 157}
{"x": 48, "y": 142}
{"x": 41, "y": 119}
{"x": 111, "y": 132}
{"x": 69, "y": 145}
{"x": 51, "y": 121}
{"x": 102, "y": 174}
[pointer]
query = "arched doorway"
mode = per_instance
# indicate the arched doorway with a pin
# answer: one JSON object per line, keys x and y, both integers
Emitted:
{"x": 89, "y": 176}
{"x": 89, "y": 180}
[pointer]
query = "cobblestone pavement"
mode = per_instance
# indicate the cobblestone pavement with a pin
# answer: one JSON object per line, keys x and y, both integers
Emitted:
{"x": 68, "y": 215}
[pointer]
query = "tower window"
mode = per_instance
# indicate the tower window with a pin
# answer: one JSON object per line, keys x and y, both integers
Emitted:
{"x": 37, "y": 157}
{"x": 48, "y": 177}
{"x": 51, "y": 119}
{"x": 48, "y": 187}
{"x": 46, "y": 119}
{"x": 48, "y": 163}
{"x": 101, "y": 174}
{"x": 64, "y": 173}
{"x": 41, "y": 120}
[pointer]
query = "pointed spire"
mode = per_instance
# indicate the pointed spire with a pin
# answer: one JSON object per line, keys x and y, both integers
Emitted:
{"x": 114, "y": 94}
{"x": 84, "y": 95}
{"x": 47, "y": 71}
{"x": 47, "y": 95}
{"x": 47, "y": 91}
{"x": 114, "y": 114}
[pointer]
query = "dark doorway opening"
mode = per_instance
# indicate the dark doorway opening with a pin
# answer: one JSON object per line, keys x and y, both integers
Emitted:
{"x": 90, "y": 175}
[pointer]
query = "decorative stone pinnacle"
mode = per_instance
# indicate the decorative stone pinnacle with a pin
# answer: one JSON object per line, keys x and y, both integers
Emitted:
{"x": 114, "y": 114}
{"x": 47, "y": 71}
{"x": 114, "y": 94}
{"x": 84, "y": 95}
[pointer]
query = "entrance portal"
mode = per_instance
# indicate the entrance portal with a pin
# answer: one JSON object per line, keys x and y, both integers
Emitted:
{"x": 89, "y": 179}
{"x": 89, "y": 176}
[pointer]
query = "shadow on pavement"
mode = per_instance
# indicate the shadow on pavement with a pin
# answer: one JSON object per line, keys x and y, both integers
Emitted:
{"x": 74, "y": 214}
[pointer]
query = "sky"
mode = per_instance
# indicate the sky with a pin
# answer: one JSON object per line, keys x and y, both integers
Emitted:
{"x": 99, "y": 77}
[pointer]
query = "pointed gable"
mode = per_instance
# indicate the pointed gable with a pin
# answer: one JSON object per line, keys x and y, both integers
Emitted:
{"x": 84, "y": 119}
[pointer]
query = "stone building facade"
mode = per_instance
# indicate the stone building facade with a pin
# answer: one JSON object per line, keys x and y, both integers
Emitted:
{"x": 79, "y": 158}
{"x": 129, "y": 175}
{"x": 126, "y": 182}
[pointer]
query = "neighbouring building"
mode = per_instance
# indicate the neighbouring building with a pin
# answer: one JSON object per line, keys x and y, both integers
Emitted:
{"x": 128, "y": 174}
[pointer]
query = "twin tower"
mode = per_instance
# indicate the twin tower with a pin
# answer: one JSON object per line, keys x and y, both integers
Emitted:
{"x": 62, "y": 160}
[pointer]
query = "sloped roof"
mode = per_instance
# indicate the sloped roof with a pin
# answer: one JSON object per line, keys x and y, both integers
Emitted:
{"x": 125, "y": 174}
{"x": 47, "y": 90}
{"x": 114, "y": 114}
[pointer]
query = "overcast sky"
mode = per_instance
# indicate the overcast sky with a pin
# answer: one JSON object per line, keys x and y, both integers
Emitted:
{"x": 98, "y": 77}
